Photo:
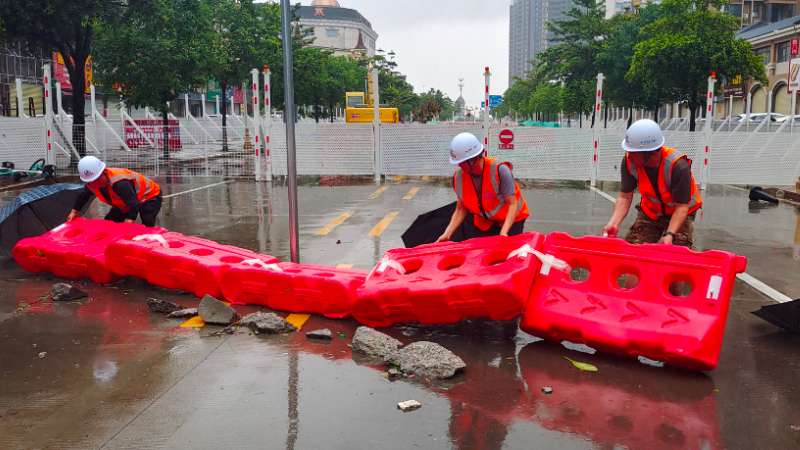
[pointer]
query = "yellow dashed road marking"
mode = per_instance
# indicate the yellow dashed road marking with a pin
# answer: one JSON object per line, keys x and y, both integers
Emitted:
{"x": 411, "y": 193}
{"x": 381, "y": 226}
{"x": 378, "y": 193}
{"x": 326, "y": 230}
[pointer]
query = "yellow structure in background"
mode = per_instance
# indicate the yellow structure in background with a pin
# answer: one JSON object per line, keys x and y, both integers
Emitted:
{"x": 360, "y": 109}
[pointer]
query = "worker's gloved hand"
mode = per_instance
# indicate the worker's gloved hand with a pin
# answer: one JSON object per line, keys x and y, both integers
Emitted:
{"x": 666, "y": 239}
{"x": 610, "y": 230}
{"x": 72, "y": 215}
{"x": 443, "y": 238}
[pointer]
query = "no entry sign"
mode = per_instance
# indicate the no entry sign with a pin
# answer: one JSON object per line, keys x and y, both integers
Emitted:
{"x": 506, "y": 138}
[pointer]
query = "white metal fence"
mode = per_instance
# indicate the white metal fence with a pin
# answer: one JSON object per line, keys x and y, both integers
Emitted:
{"x": 736, "y": 157}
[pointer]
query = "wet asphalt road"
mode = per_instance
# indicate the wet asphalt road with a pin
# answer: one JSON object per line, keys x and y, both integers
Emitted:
{"x": 115, "y": 376}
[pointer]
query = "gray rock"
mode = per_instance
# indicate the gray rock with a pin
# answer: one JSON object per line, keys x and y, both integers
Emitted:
{"x": 547, "y": 390}
{"x": 393, "y": 374}
{"x": 427, "y": 359}
{"x": 409, "y": 405}
{"x": 215, "y": 312}
{"x": 183, "y": 313}
{"x": 64, "y": 292}
{"x": 374, "y": 343}
{"x": 324, "y": 334}
{"x": 162, "y": 306}
{"x": 269, "y": 323}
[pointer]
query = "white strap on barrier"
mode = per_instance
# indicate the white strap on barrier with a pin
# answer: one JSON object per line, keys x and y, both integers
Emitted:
{"x": 262, "y": 264}
{"x": 714, "y": 287}
{"x": 387, "y": 263}
{"x": 60, "y": 227}
{"x": 152, "y": 238}
{"x": 548, "y": 261}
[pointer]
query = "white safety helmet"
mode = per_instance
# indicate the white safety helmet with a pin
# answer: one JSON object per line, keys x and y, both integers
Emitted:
{"x": 465, "y": 146}
{"x": 90, "y": 168}
{"x": 643, "y": 136}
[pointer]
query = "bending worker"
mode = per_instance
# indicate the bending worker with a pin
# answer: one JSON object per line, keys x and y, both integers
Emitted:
{"x": 486, "y": 190}
{"x": 130, "y": 194}
{"x": 670, "y": 197}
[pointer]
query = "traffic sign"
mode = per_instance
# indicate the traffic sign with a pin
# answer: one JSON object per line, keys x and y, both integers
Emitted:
{"x": 494, "y": 101}
{"x": 506, "y": 138}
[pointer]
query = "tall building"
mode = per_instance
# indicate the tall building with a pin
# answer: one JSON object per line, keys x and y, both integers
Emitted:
{"x": 343, "y": 30}
{"x": 529, "y": 34}
{"x": 752, "y": 12}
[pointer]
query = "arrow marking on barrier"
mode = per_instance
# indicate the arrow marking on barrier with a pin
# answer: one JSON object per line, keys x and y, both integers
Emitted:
{"x": 677, "y": 319}
{"x": 636, "y": 313}
{"x": 555, "y": 297}
{"x": 597, "y": 305}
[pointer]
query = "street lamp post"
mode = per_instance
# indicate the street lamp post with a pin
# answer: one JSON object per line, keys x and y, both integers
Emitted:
{"x": 291, "y": 155}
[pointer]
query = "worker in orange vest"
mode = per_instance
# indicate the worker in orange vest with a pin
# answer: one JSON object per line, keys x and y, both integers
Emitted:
{"x": 670, "y": 197}
{"x": 129, "y": 193}
{"x": 486, "y": 190}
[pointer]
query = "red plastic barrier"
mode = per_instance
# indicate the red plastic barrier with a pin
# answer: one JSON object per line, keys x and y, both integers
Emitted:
{"x": 76, "y": 249}
{"x": 448, "y": 282}
{"x": 301, "y": 288}
{"x": 176, "y": 261}
{"x": 666, "y": 303}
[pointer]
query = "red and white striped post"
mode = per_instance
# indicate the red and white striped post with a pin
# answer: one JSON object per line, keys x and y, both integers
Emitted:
{"x": 598, "y": 102}
{"x": 267, "y": 123}
{"x": 709, "y": 130}
{"x": 48, "y": 113}
{"x": 255, "y": 128}
{"x": 487, "y": 75}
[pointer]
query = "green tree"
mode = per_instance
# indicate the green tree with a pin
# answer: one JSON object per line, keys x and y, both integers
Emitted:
{"x": 547, "y": 100}
{"x": 66, "y": 27}
{"x": 154, "y": 52}
{"x": 245, "y": 36}
{"x": 691, "y": 39}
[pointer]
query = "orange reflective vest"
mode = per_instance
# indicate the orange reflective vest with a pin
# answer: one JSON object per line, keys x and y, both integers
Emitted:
{"x": 658, "y": 203}
{"x": 145, "y": 188}
{"x": 490, "y": 208}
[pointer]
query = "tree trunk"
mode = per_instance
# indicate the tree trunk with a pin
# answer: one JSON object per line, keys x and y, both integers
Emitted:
{"x": 165, "y": 131}
{"x": 580, "y": 120}
{"x": 630, "y": 116}
{"x": 692, "y": 110}
{"x": 605, "y": 117}
{"x": 77, "y": 77}
{"x": 223, "y": 109}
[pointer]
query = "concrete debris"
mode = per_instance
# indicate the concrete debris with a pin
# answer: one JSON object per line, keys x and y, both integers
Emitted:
{"x": 183, "y": 313}
{"x": 42, "y": 354}
{"x": 409, "y": 405}
{"x": 64, "y": 292}
{"x": 324, "y": 334}
{"x": 215, "y": 312}
{"x": 547, "y": 390}
{"x": 393, "y": 374}
{"x": 374, "y": 343}
{"x": 268, "y": 323}
{"x": 162, "y": 306}
{"x": 427, "y": 359}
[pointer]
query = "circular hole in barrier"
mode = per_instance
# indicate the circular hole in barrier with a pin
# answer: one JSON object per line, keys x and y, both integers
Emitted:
{"x": 175, "y": 244}
{"x": 231, "y": 259}
{"x": 579, "y": 274}
{"x": 412, "y": 265}
{"x": 99, "y": 237}
{"x": 495, "y": 258}
{"x": 325, "y": 274}
{"x": 451, "y": 262}
{"x": 201, "y": 252}
{"x": 72, "y": 233}
{"x": 680, "y": 288}
{"x": 627, "y": 280}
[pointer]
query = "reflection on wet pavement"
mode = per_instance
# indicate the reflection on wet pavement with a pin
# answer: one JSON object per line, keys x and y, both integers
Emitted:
{"x": 116, "y": 376}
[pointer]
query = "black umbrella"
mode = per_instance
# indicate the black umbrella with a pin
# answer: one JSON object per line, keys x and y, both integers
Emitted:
{"x": 784, "y": 315}
{"x": 429, "y": 226}
{"x": 35, "y": 211}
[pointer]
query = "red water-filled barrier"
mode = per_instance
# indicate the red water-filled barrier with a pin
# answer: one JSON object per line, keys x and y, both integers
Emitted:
{"x": 448, "y": 282}
{"x": 666, "y": 303}
{"x": 76, "y": 249}
{"x": 301, "y": 288}
{"x": 177, "y": 261}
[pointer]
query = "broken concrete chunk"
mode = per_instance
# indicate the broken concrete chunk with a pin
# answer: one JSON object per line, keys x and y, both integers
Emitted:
{"x": 268, "y": 323}
{"x": 409, "y": 405}
{"x": 324, "y": 334}
{"x": 65, "y": 292}
{"x": 215, "y": 312}
{"x": 427, "y": 359}
{"x": 393, "y": 374}
{"x": 183, "y": 313}
{"x": 374, "y": 343}
{"x": 547, "y": 390}
{"x": 162, "y": 306}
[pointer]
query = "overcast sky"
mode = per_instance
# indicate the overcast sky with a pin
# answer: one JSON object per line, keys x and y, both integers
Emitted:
{"x": 439, "y": 41}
